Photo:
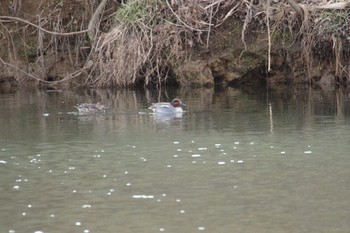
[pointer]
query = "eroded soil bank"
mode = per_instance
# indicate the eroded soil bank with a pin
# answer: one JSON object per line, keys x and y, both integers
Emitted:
{"x": 47, "y": 43}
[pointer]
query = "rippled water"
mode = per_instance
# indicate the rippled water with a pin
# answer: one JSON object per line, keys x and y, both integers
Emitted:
{"x": 258, "y": 160}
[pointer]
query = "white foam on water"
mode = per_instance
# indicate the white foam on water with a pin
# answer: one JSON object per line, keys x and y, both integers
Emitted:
{"x": 196, "y": 156}
{"x": 221, "y": 162}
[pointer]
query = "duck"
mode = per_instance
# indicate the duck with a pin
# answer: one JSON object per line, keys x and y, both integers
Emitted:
{"x": 90, "y": 108}
{"x": 174, "y": 107}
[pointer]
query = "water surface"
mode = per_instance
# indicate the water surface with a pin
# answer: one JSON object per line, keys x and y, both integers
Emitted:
{"x": 255, "y": 160}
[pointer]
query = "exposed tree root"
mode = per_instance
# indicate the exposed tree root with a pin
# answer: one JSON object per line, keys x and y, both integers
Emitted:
{"x": 144, "y": 40}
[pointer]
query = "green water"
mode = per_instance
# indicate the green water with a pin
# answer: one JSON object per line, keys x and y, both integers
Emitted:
{"x": 263, "y": 160}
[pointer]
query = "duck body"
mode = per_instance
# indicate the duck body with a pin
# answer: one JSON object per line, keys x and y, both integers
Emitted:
{"x": 165, "y": 108}
{"x": 90, "y": 108}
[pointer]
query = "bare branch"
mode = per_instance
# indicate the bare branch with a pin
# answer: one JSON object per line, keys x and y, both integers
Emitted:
{"x": 94, "y": 19}
{"x": 296, "y": 7}
{"x": 6, "y": 18}
{"x": 334, "y": 6}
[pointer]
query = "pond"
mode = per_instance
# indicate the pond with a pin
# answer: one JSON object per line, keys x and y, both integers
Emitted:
{"x": 272, "y": 159}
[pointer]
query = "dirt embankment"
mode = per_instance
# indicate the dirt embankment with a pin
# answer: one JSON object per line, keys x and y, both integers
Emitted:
{"x": 42, "y": 40}
{"x": 154, "y": 42}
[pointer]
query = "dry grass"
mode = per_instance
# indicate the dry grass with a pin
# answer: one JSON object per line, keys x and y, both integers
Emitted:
{"x": 323, "y": 33}
{"x": 151, "y": 36}
{"x": 145, "y": 39}
{"x": 39, "y": 35}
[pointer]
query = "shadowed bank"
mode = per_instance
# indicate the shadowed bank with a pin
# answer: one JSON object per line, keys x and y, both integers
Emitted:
{"x": 184, "y": 43}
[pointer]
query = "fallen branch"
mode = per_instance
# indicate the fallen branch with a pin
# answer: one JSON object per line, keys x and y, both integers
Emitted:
{"x": 94, "y": 19}
{"x": 6, "y": 18}
{"x": 22, "y": 71}
{"x": 296, "y": 7}
{"x": 334, "y": 6}
{"x": 68, "y": 77}
{"x": 269, "y": 36}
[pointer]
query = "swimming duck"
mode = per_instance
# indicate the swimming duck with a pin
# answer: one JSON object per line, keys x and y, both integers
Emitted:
{"x": 90, "y": 108}
{"x": 168, "y": 108}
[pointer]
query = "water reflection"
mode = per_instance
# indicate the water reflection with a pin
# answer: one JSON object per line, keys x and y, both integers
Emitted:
{"x": 262, "y": 160}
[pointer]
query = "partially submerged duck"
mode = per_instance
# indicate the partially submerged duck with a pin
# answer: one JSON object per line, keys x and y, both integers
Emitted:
{"x": 90, "y": 108}
{"x": 175, "y": 106}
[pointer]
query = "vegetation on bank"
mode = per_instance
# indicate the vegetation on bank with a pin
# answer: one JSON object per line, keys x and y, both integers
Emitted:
{"x": 143, "y": 41}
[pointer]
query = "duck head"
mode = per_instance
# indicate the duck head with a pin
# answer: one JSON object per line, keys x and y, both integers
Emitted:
{"x": 177, "y": 103}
